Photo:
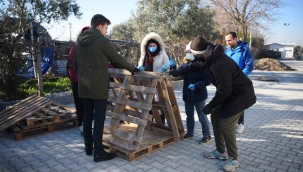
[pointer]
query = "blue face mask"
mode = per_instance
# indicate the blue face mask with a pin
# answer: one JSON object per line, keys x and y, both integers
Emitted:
{"x": 152, "y": 49}
{"x": 190, "y": 56}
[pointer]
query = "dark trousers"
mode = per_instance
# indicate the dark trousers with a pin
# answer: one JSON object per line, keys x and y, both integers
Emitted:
{"x": 78, "y": 103}
{"x": 241, "y": 119}
{"x": 224, "y": 133}
{"x": 99, "y": 106}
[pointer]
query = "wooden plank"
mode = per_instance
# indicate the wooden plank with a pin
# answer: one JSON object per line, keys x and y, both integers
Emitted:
{"x": 119, "y": 142}
{"x": 16, "y": 106}
{"x": 126, "y": 118}
{"x": 169, "y": 109}
{"x": 24, "y": 114}
{"x": 141, "y": 89}
{"x": 122, "y": 134}
{"x": 176, "y": 110}
{"x": 131, "y": 103}
{"x": 19, "y": 108}
{"x": 162, "y": 100}
{"x": 124, "y": 72}
{"x": 119, "y": 108}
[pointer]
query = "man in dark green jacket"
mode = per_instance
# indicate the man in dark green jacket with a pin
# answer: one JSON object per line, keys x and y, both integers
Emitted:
{"x": 92, "y": 54}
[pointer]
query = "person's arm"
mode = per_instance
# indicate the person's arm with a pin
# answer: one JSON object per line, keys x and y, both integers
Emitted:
{"x": 204, "y": 82}
{"x": 166, "y": 60}
{"x": 195, "y": 66}
{"x": 249, "y": 62}
{"x": 223, "y": 78}
{"x": 113, "y": 55}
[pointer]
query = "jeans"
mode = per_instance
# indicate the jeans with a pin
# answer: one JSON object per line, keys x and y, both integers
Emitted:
{"x": 78, "y": 103}
{"x": 224, "y": 132}
{"x": 190, "y": 120}
{"x": 241, "y": 119}
{"x": 96, "y": 137}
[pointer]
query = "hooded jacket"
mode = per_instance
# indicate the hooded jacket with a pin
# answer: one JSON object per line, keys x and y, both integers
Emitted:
{"x": 242, "y": 56}
{"x": 92, "y": 54}
{"x": 159, "y": 60}
{"x": 235, "y": 91}
{"x": 200, "y": 79}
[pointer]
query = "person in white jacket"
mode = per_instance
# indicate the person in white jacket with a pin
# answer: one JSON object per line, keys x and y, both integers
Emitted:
{"x": 153, "y": 56}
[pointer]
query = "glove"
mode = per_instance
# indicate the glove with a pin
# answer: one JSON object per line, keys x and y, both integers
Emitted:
{"x": 191, "y": 86}
{"x": 163, "y": 69}
{"x": 136, "y": 70}
{"x": 174, "y": 73}
{"x": 207, "y": 109}
{"x": 141, "y": 68}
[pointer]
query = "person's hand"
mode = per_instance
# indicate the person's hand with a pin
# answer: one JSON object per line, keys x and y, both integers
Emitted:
{"x": 141, "y": 68}
{"x": 136, "y": 70}
{"x": 174, "y": 73}
{"x": 191, "y": 86}
{"x": 163, "y": 69}
{"x": 207, "y": 109}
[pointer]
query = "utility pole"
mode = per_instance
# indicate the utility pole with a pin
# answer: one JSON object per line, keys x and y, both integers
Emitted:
{"x": 33, "y": 49}
{"x": 70, "y": 31}
{"x": 286, "y": 24}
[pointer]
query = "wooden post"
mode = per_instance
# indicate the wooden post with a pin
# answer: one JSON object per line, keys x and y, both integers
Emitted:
{"x": 39, "y": 70}
{"x": 33, "y": 49}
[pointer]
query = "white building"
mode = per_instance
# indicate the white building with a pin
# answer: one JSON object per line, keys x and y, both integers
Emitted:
{"x": 287, "y": 50}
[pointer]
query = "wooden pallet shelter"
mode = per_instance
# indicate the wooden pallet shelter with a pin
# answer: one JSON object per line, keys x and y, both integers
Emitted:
{"x": 133, "y": 101}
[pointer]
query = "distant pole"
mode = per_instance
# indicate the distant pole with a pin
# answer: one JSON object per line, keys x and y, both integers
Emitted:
{"x": 286, "y": 24}
{"x": 33, "y": 49}
{"x": 39, "y": 71}
{"x": 250, "y": 36}
{"x": 70, "y": 31}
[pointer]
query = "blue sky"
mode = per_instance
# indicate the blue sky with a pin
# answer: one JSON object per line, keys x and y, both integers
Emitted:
{"x": 118, "y": 11}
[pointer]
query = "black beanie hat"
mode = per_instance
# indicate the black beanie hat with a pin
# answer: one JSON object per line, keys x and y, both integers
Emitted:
{"x": 198, "y": 45}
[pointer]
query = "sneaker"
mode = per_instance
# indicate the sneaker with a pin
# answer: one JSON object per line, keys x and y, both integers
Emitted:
{"x": 231, "y": 164}
{"x": 240, "y": 129}
{"x": 106, "y": 156}
{"x": 187, "y": 137}
{"x": 205, "y": 140}
{"x": 216, "y": 155}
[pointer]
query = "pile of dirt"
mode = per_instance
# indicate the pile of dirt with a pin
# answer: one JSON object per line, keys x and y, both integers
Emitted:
{"x": 271, "y": 65}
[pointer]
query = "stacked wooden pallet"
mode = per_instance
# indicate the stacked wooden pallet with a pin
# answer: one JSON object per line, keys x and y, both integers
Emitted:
{"x": 36, "y": 115}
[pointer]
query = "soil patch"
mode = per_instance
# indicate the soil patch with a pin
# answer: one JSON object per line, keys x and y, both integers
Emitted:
{"x": 271, "y": 65}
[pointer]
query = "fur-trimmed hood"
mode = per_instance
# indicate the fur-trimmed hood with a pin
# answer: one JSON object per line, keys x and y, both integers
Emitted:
{"x": 154, "y": 36}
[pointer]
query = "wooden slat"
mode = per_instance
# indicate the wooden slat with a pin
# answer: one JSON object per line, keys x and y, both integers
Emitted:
{"x": 126, "y": 118}
{"x": 141, "y": 89}
{"x": 124, "y": 72}
{"x": 169, "y": 109}
{"x": 119, "y": 142}
{"x": 131, "y": 103}
{"x": 122, "y": 134}
{"x": 15, "y": 107}
{"x": 162, "y": 101}
{"x": 172, "y": 98}
{"x": 32, "y": 108}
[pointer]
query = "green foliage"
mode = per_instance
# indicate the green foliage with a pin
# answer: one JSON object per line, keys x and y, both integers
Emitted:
{"x": 298, "y": 50}
{"x": 30, "y": 87}
{"x": 15, "y": 26}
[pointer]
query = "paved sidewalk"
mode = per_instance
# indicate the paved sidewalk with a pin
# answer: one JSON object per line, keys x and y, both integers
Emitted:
{"x": 272, "y": 141}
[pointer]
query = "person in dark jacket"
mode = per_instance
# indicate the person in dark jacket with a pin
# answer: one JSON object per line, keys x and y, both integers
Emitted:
{"x": 194, "y": 96}
{"x": 74, "y": 82}
{"x": 240, "y": 53}
{"x": 234, "y": 93}
{"x": 93, "y": 51}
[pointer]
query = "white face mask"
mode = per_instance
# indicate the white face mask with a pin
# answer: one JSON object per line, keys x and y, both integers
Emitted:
{"x": 190, "y": 56}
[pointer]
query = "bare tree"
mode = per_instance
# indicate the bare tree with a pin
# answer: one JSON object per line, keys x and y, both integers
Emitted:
{"x": 246, "y": 12}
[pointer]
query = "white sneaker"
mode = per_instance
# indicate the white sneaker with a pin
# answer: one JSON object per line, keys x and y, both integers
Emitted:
{"x": 240, "y": 129}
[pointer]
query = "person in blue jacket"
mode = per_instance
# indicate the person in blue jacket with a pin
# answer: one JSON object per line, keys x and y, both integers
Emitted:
{"x": 240, "y": 53}
{"x": 194, "y": 96}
